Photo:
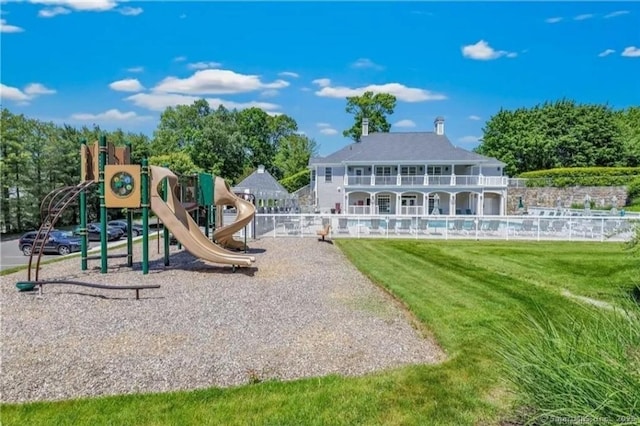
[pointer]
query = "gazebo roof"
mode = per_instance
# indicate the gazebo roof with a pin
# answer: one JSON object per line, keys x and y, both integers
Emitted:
{"x": 262, "y": 185}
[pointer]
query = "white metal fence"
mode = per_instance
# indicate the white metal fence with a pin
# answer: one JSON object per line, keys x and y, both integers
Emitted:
{"x": 570, "y": 228}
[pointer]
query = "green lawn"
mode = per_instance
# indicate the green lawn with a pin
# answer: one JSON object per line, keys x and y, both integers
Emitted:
{"x": 460, "y": 291}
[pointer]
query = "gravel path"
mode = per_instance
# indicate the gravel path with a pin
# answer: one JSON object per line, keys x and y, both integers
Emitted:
{"x": 303, "y": 311}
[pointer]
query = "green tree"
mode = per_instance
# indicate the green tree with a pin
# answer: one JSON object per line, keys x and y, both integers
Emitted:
{"x": 179, "y": 127}
{"x": 179, "y": 163}
{"x": 219, "y": 149}
{"x": 294, "y": 152}
{"x": 374, "y": 107}
{"x": 550, "y": 135}
{"x": 628, "y": 124}
{"x": 14, "y": 159}
{"x": 262, "y": 134}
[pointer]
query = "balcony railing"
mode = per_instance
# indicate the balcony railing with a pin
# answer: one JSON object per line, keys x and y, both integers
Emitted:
{"x": 386, "y": 180}
{"x": 426, "y": 180}
{"x": 412, "y": 180}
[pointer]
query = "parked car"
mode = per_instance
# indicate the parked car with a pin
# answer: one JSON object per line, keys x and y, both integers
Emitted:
{"x": 59, "y": 242}
{"x": 93, "y": 232}
{"x": 122, "y": 224}
{"x": 110, "y": 229}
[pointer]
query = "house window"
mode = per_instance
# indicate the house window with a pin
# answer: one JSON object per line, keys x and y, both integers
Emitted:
{"x": 409, "y": 170}
{"x": 384, "y": 204}
{"x": 313, "y": 175}
{"x": 327, "y": 174}
{"x": 383, "y": 171}
{"x": 358, "y": 171}
{"x": 434, "y": 170}
{"x": 409, "y": 200}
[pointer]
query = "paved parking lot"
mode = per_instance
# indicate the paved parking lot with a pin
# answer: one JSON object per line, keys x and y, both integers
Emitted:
{"x": 11, "y": 256}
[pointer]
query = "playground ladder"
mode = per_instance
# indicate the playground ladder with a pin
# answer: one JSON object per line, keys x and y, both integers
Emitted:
{"x": 50, "y": 215}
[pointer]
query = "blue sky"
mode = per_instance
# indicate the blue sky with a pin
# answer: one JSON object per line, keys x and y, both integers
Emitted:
{"x": 119, "y": 64}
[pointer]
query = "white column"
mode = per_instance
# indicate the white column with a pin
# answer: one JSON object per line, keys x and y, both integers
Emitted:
{"x": 373, "y": 174}
{"x": 425, "y": 203}
{"x": 502, "y": 204}
{"x": 452, "y": 204}
{"x": 398, "y": 202}
{"x": 480, "y": 209}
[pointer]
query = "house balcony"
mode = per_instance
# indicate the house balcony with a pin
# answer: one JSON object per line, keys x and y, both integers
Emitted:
{"x": 426, "y": 180}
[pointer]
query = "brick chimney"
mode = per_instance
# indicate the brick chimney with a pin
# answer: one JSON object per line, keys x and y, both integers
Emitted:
{"x": 365, "y": 127}
{"x": 439, "y": 125}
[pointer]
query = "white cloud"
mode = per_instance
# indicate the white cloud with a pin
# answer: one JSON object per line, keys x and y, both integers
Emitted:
{"x": 469, "y": 139}
{"x": 289, "y": 74}
{"x": 130, "y": 11}
{"x": 110, "y": 115}
{"x": 216, "y": 81}
{"x": 80, "y": 5}
{"x": 127, "y": 85}
{"x": 483, "y": 52}
{"x": 616, "y": 13}
{"x": 12, "y": 93}
{"x": 30, "y": 91}
{"x": 326, "y": 129}
{"x": 203, "y": 65}
{"x": 583, "y": 16}
{"x": 135, "y": 69}
{"x": 6, "y": 28}
{"x": 474, "y": 118}
{"x": 405, "y": 123}
{"x": 159, "y": 101}
{"x": 631, "y": 52}
{"x": 366, "y": 63}
{"x": 269, "y": 93}
{"x": 322, "y": 82}
{"x": 553, "y": 20}
{"x": 179, "y": 59}
{"x": 606, "y": 52}
{"x": 53, "y": 11}
{"x": 35, "y": 89}
{"x": 400, "y": 91}
{"x": 184, "y": 15}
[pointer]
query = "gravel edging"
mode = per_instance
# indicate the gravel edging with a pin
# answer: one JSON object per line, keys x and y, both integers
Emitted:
{"x": 302, "y": 311}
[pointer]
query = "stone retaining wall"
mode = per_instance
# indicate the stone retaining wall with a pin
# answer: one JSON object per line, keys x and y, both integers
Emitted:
{"x": 603, "y": 196}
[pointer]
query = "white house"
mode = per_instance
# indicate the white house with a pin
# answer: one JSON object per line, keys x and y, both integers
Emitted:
{"x": 408, "y": 173}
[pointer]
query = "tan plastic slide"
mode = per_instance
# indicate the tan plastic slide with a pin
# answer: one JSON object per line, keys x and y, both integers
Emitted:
{"x": 245, "y": 213}
{"x": 183, "y": 227}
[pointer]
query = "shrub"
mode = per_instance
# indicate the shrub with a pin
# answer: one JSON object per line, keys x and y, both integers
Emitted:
{"x": 633, "y": 190}
{"x": 582, "y": 366}
{"x": 296, "y": 181}
{"x": 582, "y": 176}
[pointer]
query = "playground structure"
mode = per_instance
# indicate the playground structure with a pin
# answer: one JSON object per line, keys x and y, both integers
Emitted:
{"x": 132, "y": 186}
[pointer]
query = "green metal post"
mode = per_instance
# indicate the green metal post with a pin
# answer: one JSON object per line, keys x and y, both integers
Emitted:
{"x": 165, "y": 230}
{"x": 196, "y": 185}
{"x": 83, "y": 223}
{"x": 206, "y": 221}
{"x": 181, "y": 198}
{"x": 129, "y": 226}
{"x": 145, "y": 216}
{"x": 103, "y": 205}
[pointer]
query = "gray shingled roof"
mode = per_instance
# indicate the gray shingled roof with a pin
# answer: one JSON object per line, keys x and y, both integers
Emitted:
{"x": 260, "y": 182}
{"x": 402, "y": 147}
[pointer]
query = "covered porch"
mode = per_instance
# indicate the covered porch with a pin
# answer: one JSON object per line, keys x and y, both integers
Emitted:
{"x": 415, "y": 203}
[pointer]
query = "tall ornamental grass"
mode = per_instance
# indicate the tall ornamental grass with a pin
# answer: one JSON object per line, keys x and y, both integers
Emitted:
{"x": 580, "y": 368}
